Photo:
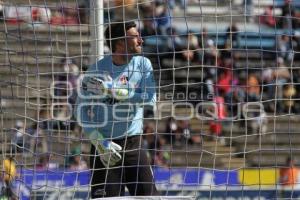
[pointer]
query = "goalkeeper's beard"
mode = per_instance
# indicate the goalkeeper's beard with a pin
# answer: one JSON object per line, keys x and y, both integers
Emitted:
{"x": 134, "y": 49}
{"x": 122, "y": 56}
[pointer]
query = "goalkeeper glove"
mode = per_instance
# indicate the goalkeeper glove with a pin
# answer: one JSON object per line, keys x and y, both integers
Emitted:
{"x": 107, "y": 87}
{"x": 108, "y": 150}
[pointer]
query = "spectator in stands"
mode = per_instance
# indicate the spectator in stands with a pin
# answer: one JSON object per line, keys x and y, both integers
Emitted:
{"x": 281, "y": 75}
{"x": 196, "y": 139}
{"x": 66, "y": 16}
{"x": 71, "y": 15}
{"x": 149, "y": 28}
{"x": 224, "y": 82}
{"x": 69, "y": 79}
{"x": 175, "y": 43}
{"x": 267, "y": 76}
{"x": 288, "y": 174}
{"x": 57, "y": 18}
{"x": 208, "y": 55}
{"x": 148, "y": 9}
{"x": 77, "y": 163}
{"x": 171, "y": 129}
{"x": 186, "y": 129}
{"x": 285, "y": 45}
{"x": 257, "y": 118}
{"x": 208, "y": 88}
{"x": 40, "y": 131}
{"x": 29, "y": 14}
{"x": 154, "y": 143}
{"x": 209, "y": 49}
{"x": 46, "y": 164}
{"x": 231, "y": 38}
{"x": 235, "y": 96}
{"x": 215, "y": 125}
{"x": 253, "y": 88}
{"x": 84, "y": 11}
{"x": 229, "y": 63}
{"x": 122, "y": 9}
{"x": 7, "y": 177}
{"x": 62, "y": 115}
{"x": 191, "y": 51}
{"x": 267, "y": 87}
{"x": 268, "y": 17}
{"x": 296, "y": 79}
{"x": 18, "y": 137}
{"x": 228, "y": 53}
{"x": 62, "y": 111}
{"x": 258, "y": 122}
{"x": 178, "y": 132}
{"x": 289, "y": 92}
{"x": 163, "y": 18}
{"x": 182, "y": 135}
{"x": 10, "y": 170}
{"x": 288, "y": 19}
{"x": 215, "y": 128}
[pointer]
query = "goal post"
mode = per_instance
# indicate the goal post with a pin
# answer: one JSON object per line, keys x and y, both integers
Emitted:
{"x": 97, "y": 29}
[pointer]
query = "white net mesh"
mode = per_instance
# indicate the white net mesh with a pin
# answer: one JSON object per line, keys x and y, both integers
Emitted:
{"x": 226, "y": 73}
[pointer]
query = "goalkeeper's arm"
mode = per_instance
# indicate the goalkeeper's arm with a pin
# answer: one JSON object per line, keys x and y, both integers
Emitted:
{"x": 147, "y": 92}
{"x": 107, "y": 149}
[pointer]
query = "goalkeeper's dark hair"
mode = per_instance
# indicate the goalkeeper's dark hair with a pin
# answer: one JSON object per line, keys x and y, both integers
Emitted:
{"x": 116, "y": 31}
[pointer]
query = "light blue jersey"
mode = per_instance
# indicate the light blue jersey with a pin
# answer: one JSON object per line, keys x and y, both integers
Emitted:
{"x": 117, "y": 119}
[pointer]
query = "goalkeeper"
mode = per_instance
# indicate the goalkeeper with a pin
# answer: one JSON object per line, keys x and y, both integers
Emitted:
{"x": 110, "y": 109}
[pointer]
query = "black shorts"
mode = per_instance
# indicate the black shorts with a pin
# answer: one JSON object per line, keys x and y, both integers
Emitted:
{"x": 136, "y": 173}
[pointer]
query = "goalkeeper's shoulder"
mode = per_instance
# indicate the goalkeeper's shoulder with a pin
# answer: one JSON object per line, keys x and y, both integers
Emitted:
{"x": 100, "y": 64}
{"x": 144, "y": 63}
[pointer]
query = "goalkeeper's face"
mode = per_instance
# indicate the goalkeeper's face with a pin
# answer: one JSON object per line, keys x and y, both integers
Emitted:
{"x": 134, "y": 41}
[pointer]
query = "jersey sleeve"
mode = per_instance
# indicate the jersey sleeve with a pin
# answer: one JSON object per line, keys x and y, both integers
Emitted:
{"x": 146, "y": 94}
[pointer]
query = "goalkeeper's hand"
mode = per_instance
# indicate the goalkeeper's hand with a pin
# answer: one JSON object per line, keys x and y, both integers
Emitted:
{"x": 107, "y": 87}
{"x": 108, "y": 150}
{"x": 100, "y": 87}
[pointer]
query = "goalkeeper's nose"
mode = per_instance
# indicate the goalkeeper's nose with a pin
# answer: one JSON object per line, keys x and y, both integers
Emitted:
{"x": 140, "y": 40}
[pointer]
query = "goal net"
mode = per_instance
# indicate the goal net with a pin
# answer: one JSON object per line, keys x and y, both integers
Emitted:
{"x": 225, "y": 123}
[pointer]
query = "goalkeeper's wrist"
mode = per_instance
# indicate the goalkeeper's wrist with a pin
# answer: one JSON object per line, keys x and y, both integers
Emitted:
{"x": 97, "y": 139}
